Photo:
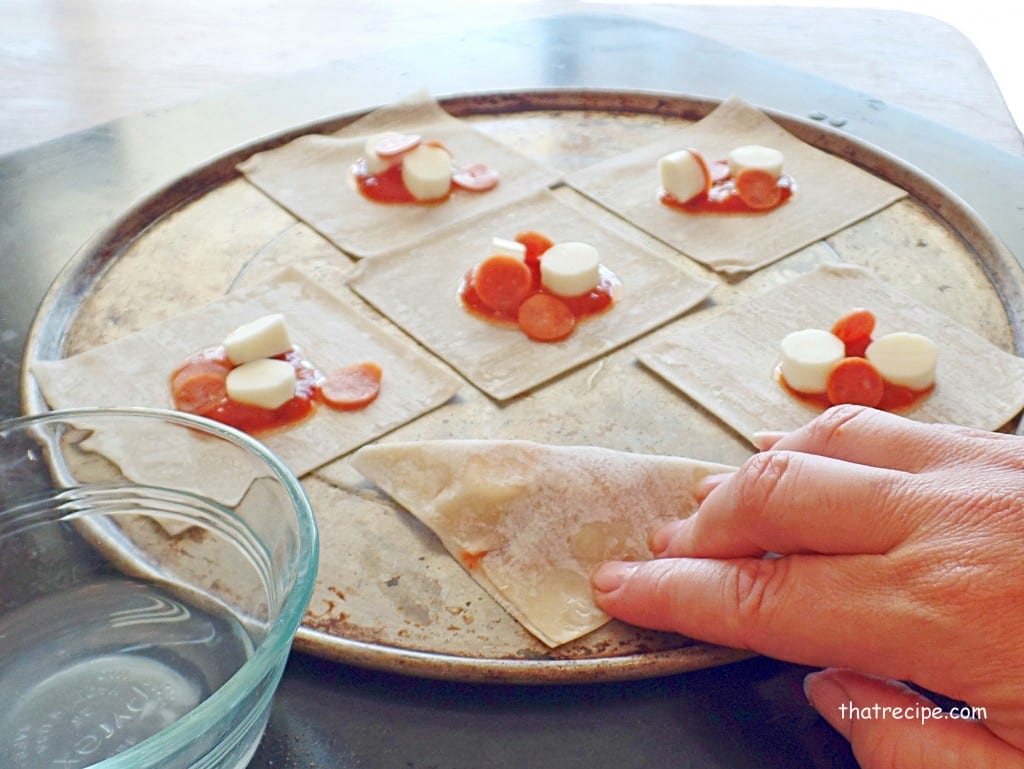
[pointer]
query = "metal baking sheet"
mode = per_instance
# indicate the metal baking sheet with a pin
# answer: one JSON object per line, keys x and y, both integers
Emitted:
{"x": 388, "y": 596}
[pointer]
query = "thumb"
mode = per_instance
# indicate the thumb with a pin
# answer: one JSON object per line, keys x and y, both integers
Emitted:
{"x": 890, "y": 725}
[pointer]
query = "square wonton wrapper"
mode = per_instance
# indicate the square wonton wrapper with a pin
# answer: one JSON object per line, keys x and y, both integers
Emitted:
{"x": 312, "y": 177}
{"x": 831, "y": 193}
{"x": 417, "y": 288}
{"x": 136, "y": 369}
{"x": 728, "y": 364}
{"x": 529, "y": 521}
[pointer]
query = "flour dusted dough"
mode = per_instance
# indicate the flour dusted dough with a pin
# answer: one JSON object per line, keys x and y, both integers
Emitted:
{"x": 726, "y": 363}
{"x": 831, "y": 193}
{"x": 417, "y": 288}
{"x": 312, "y": 177}
{"x": 529, "y": 521}
{"x": 135, "y": 370}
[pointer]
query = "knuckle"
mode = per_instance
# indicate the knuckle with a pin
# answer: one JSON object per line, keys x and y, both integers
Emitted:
{"x": 834, "y": 421}
{"x": 763, "y": 481}
{"x": 758, "y": 589}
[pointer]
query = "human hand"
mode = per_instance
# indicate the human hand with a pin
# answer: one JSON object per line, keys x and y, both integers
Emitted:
{"x": 901, "y": 550}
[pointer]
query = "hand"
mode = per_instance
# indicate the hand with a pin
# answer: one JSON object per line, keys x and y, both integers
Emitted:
{"x": 901, "y": 556}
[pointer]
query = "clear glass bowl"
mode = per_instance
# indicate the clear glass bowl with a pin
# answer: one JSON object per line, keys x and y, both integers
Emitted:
{"x": 154, "y": 568}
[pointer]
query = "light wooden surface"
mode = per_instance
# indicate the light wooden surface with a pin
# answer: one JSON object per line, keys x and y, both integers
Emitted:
{"x": 66, "y": 65}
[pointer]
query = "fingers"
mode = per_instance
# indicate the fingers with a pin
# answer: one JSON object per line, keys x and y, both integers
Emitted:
{"x": 890, "y": 725}
{"x": 854, "y": 480}
{"x": 790, "y": 502}
{"x": 800, "y": 608}
{"x": 876, "y": 438}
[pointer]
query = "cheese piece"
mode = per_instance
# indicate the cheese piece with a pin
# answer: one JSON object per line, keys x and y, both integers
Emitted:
{"x": 570, "y": 269}
{"x": 427, "y": 172}
{"x": 267, "y": 383}
{"x": 264, "y": 337}
{"x": 529, "y": 521}
{"x": 808, "y": 357}
{"x": 754, "y": 156}
{"x": 904, "y": 358}
{"x": 379, "y": 162}
{"x": 504, "y": 247}
{"x": 684, "y": 175}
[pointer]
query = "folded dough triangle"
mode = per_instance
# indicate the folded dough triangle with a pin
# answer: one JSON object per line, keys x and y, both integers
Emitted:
{"x": 529, "y": 521}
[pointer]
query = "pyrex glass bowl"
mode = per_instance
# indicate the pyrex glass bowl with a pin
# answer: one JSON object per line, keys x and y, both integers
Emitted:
{"x": 154, "y": 568}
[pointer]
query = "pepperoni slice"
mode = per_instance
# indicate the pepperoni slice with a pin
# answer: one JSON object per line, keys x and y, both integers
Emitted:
{"x": 546, "y": 318}
{"x": 476, "y": 178}
{"x": 393, "y": 146}
{"x": 857, "y": 381}
{"x": 352, "y": 387}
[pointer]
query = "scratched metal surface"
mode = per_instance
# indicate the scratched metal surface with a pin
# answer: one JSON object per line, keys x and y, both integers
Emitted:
{"x": 388, "y": 595}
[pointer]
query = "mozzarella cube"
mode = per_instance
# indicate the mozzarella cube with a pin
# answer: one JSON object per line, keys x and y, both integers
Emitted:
{"x": 905, "y": 359}
{"x": 503, "y": 247}
{"x": 754, "y": 156}
{"x": 684, "y": 175}
{"x": 427, "y": 172}
{"x": 377, "y": 164}
{"x": 808, "y": 357}
{"x": 261, "y": 338}
{"x": 570, "y": 269}
{"x": 267, "y": 383}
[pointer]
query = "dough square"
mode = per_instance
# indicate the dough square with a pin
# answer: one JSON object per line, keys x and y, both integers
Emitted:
{"x": 831, "y": 193}
{"x": 312, "y": 178}
{"x": 727, "y": 363}
{"x": 417, "y": 288}
{"x": 135, "y": 370}
{"x": 529, "y": 521}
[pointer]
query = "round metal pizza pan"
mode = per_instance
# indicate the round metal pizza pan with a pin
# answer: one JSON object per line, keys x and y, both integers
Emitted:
{"x": 567, "y": 128}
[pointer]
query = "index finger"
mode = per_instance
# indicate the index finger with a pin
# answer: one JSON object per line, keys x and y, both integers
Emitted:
{"x": 807, "y": 609}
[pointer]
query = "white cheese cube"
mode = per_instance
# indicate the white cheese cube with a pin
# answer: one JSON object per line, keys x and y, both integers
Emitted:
{"x": 427, "y": 172}
{"x": 808, "y": 357}
{"x": 267, "y": 383}
{"x": 905, "y": 359}
{"x": 754, "y": 156}
{"x": 684, "y": 175}
{"x": 570, "y": 269}
{"x": 503, "y": 247}
{"x": 375, "y": 163}
{"x": 261, "y": 338}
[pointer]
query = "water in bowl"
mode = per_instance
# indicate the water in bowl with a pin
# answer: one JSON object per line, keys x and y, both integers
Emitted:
{"x": 89, "y": 672}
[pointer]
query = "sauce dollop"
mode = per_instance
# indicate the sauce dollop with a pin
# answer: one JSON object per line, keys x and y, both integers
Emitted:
{"x": 596, "y": 301}
{"x": 724, "y": 195}
{"x": 855, "y": 330}
{"x": 895, "y": 397}
{"x": 388, "y": 187}
{"x": 199, "y": 386}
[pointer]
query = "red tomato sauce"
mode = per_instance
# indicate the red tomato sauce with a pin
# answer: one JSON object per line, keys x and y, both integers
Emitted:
{"x": 895, "y": 397}
{"x": 472, "y": 560}
{"x": 722, "y": 197}
{"x": 594, "y": 302}
{"x": 213, "y": 366}
{"x": 855, "y": 331}
{"x": 388, "y": 187}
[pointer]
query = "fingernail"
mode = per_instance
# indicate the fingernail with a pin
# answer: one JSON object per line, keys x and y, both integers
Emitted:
{"x": 661, "y": 537}
{"x": 658, "y": 541}
{"x": 709, "y": 483}
{"x": 828, "y": 697}
{"x": 609, "y": 576}
{"x": 765, "y": 439}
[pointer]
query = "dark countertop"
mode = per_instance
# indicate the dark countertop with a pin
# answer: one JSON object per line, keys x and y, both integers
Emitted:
{"x": 749, "y": 714}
